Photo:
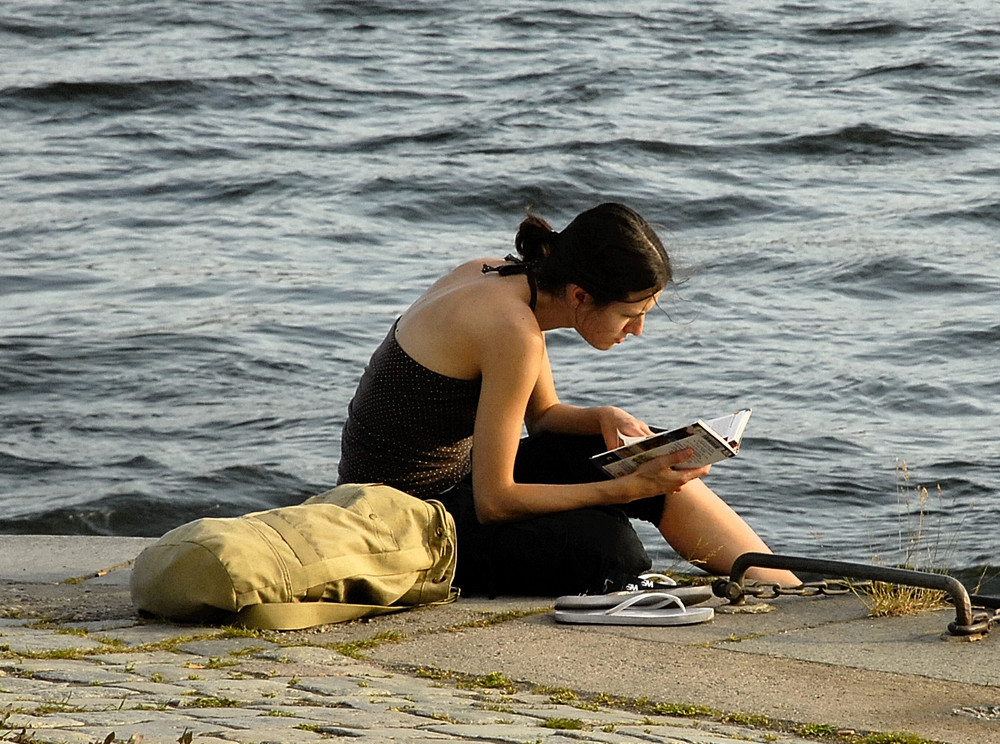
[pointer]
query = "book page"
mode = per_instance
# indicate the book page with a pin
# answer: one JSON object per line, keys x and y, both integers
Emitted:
{"x": 627, "y": 440}
{"x": 731, "y": 427}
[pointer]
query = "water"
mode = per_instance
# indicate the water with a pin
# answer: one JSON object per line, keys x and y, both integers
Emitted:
{"x": 211, "y": 211}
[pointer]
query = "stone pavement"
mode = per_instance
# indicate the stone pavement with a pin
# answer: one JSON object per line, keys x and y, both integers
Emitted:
{"x": 77, "y": 665}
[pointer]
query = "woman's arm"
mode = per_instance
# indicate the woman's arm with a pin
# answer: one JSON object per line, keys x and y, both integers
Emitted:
{"x": 517, "y": 387}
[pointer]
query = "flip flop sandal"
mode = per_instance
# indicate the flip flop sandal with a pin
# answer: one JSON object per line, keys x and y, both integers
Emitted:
{"x": 689, "y": 595}
{"x": 648, "y": 608}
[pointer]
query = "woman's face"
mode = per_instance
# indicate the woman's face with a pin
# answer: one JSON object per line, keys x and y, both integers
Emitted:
{"x": 605, "y": 326}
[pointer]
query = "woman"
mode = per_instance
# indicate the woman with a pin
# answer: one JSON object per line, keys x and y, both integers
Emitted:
{"x": 467, "y": 363}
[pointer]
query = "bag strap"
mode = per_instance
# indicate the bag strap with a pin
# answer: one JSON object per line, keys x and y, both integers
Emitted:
{"x": 298, "y": 615}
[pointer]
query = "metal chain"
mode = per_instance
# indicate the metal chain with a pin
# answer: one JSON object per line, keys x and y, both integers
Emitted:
{"x": 988, "y": 614}
{"x": 827, "y": 587}
{"x": 986, "y": 608}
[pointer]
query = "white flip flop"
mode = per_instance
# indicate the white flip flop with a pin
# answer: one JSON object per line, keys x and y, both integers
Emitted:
{"x": 689, "y": 595}
{"x": 640, "y": 608}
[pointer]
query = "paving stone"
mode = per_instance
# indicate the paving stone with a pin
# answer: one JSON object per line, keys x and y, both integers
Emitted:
{"x": 126, "y": 658}
{"x": 152, "y": 732}
{"x": 27, "y": 718}
{"x": 28, "y": 667}
{"x": 512, "y": 733}
{"x": 88, "y": 674}
{"x": 151, "y": 634}
{"x": 163, "y": 673}
{"x": 10, "y": 685}
{"x": 242, "y": 691}
{"x": 457, "y": 713}
{"x": 143, "y": 688}
{"x": 97, "y": 627}
{"x": 348, "y": 686}
{"x": 32, "y": 641}
{"x": 349, "y": 718}
{"x": 224, "y": 647}
{"x": 324, "y": 657}
{"x": 64, "y": 736}
{"x": 239, "y": 718}
{"x": 388, "y": 733}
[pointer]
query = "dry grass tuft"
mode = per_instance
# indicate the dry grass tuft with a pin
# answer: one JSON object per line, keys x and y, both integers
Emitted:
{"x": 894, "y": 600}
{"x": 921, "y": 554}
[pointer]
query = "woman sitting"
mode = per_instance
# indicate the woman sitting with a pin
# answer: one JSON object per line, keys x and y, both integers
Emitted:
{"x": 440, "y": 410}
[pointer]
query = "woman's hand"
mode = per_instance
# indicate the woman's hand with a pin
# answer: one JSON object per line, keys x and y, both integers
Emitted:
{"x": 657, "y": 476}
{"x": 662, "y": 474}
{"x": 614, "y": 420}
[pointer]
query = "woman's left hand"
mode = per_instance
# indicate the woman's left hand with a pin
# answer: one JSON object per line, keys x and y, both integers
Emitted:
{"x": 614, "y": 420}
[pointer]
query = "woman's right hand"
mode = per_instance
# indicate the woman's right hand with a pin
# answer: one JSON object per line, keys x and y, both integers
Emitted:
{"x": 662, "y": 476}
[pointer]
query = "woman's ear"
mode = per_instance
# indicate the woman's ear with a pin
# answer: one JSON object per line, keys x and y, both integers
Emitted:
{"x": 577, "y": 295}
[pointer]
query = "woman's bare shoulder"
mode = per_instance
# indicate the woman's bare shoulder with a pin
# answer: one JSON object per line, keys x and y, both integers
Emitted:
{"x": 468, "y": 317}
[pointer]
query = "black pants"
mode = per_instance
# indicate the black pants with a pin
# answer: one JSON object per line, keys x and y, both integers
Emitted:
{"x": 568, "y": 552}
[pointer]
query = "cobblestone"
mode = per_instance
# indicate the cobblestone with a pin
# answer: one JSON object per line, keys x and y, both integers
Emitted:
{"x": 156, "y": 684}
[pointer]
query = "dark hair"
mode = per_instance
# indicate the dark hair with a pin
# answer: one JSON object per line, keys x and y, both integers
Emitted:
{"x": 610, "y": 251}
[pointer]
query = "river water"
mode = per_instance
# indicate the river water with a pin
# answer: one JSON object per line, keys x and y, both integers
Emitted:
{"x": 210, "y": 212}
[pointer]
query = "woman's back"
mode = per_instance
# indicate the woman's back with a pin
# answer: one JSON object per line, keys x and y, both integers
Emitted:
{"x": 411, "y": 420}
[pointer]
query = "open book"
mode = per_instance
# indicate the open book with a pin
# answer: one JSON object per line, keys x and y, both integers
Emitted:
{"x": 711, "y": 441}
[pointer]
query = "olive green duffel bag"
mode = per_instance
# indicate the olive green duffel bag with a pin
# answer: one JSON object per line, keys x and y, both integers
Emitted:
{"x": 353, "y": 551}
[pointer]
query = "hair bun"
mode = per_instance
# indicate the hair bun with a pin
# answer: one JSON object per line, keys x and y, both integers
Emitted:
{"x": 535, "y": 238}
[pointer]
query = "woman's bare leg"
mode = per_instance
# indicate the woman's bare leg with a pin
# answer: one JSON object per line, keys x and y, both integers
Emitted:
{"x": 706, "y": 531}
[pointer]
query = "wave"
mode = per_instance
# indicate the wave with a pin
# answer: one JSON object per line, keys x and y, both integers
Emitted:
{"x": 26, "y": 466}
{"x": 889, "y": 276}
{"x": 149, "y": 499}
{"x": 862, "y": 30}
{"x": 117, "y": 96}
{"x": 97, "y": 97}
{"x": 877, "y": 142}
{"x": 44, "y": 281}
{"x": 378, "y": 9}
{"x": 729, "y": 208}
{"x": 879, "y": 272}
{"x": 984, "y": 212}
{"x": 51, "y": 28}
{"x": 920, "y": 69}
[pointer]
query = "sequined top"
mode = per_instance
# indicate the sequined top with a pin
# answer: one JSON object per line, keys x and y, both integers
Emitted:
{"x": 408, "y": 426}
